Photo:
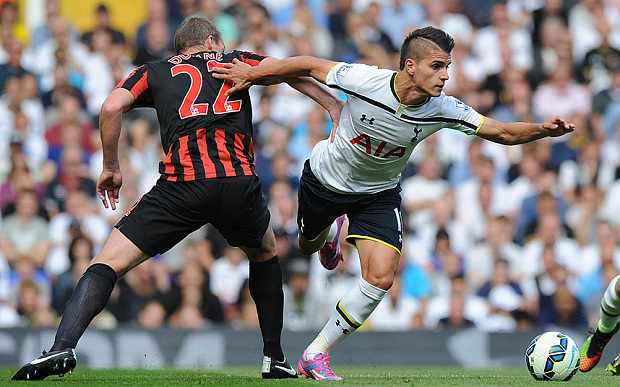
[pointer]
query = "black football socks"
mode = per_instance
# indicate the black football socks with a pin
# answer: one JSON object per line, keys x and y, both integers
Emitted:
{"x": 266, "y": 290}
{"x": 89, "y": 298}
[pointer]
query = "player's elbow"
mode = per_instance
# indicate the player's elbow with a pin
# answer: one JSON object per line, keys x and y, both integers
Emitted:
{"x": 111, "y": 106}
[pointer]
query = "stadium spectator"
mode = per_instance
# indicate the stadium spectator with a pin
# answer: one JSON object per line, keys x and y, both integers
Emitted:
{"x": 505, "y": 297}
{"x": 530, "y": 211}
{"x": 605, "y": 105}
{"x": 23, "y": 234}
{"x": 19, "y": 179}
{"x": 13, "y": 65}
{"x": 102, "y": 26}
{"x": 570, "y": 97}
{"x": 72, "y": 175}
{"x": 479, "y": 198}
{"x": 397, "y": 312}
{"x": 227, "y": 275}
{"x": 225, "y": 22}
{"x": 501, "y": 44}
{"x": 582, "y": 217}
{"x": 188, "y": 317}
{"x": 482, "y": 258}
{"x": 592, "y": 286}
{"x": 243, "y": 11}
{"x": 80, "y": 253}
{"x": 157, "y": 12}
{"x": 455, "y": 24}
{"x": 304, "y": 26}
{"x": 191, "y": 287}
{"x": 397, "y": 17}
{"x": 26, "y": 275}
{"x": 63, "y": 48}
{"x": 152, "y": 316}
{"x": 243, "y": 313}
{"x": 11, "y": 24}
{"x": 456, "y": 316}
{"x": 562, "y": 309}
{"x": 78, "y": 218}
{"x": 34, "y": 309}
{"x": 439, "y": 306}
{"x": 140, "y": 286}
{"x": 421, "y": 191}
{"x": 549, "y": 9}
{"x": 301, "y": 306}
{"x": 156, "y": 43}
{"x": 25, "y": 117}
{"x": 42, "y": 32}
{"x": 583, "y": 21}
{"x": 71, "y": 130}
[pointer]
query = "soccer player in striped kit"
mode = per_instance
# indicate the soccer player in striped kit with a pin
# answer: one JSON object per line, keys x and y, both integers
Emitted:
{"x": 207, "y": 177}
{"x": 356, "y": 172}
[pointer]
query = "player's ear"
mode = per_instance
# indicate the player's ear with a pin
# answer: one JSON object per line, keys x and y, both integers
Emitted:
{"x": 410, "y": 66}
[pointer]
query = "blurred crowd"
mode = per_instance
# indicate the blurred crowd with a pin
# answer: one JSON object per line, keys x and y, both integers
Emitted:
{"x": 500, "y": 238}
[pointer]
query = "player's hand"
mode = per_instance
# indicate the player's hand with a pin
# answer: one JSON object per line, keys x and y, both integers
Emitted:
{"x": 235, "y": 72}
{"x": 334, "y": 114}
{"x": 109, "y": 185}
{"x": 557, "y": 127}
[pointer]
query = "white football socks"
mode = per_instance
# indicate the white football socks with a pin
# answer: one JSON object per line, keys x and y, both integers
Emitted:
{"x": 350, "y": 313}
{"x": 610, "y": 308}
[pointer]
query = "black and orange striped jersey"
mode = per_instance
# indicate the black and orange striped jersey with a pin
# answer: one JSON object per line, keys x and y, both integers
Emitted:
{"x": 204, "y": 133}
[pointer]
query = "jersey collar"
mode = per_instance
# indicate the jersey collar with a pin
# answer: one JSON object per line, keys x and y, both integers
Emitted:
{"x": 395, "y": 94}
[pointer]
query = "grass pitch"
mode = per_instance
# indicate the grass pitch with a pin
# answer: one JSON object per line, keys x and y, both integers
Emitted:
{"x": 353, "y": 376}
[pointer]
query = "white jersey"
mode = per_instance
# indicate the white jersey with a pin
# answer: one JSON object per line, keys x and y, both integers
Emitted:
{"x": 377, "y": 133}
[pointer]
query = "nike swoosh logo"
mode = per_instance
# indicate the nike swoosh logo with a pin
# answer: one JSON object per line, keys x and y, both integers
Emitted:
{"x": 289, "y": 371}
{"x": 42, "y": 359}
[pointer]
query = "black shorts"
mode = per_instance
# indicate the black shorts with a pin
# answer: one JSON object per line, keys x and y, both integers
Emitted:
{"x": 371, "y": 216}
{"x": 172, "y": 210}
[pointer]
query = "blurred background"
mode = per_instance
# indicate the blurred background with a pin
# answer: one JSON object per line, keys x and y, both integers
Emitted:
{"x": 497, "y": 239}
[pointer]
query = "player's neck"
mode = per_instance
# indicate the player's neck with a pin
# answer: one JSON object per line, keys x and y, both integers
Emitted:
{"x": 407, "y": 93}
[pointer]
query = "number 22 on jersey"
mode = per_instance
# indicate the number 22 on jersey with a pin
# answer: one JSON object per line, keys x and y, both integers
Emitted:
{"x": 189, "y": 107}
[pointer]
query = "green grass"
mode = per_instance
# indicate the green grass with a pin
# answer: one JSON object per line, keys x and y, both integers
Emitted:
{"x": 353, "y": 376}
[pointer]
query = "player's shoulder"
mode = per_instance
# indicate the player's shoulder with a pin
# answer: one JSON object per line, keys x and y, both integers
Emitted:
{"x": 342, "y": 69}
{"x": 449, "y": 103}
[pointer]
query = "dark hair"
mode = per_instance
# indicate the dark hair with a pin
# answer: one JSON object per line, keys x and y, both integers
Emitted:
{"x": 419, "y": 43}
{"x": 193, "y": 32}
{"x": 74, "y": 242}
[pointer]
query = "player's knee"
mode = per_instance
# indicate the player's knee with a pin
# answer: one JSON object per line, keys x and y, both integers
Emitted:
{"x": 380, "y": 281}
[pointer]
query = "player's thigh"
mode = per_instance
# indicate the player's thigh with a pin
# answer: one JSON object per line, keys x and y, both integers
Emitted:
{"x": 377, "y": 217}
{"x": 318, "y": 207}
{"x": 165, "y": 215}
{"x": 241, "y": 214}
{"x": 120, "y": 253}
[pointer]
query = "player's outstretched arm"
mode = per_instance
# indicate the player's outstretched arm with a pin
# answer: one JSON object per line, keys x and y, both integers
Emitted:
{"x": 322, "y": 95}
{"x": 520, "y": 132}
{"x": 243, "y": 75}
{"x": 110, "y": 180}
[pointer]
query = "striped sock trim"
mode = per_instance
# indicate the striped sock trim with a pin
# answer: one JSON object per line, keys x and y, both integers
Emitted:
{"x": 346, "y": 317}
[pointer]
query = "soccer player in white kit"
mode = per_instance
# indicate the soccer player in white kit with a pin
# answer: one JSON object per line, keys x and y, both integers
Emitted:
{"x": 356, "y": 172}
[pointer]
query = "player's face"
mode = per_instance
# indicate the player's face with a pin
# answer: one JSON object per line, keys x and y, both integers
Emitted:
{"x": 431, "y": 73}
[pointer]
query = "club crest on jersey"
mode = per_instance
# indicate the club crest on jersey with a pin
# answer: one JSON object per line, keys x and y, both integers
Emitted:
{"x": 342, "y": 71}
{"x": 462, "y": 105}
{"x": 417, "y": 131}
